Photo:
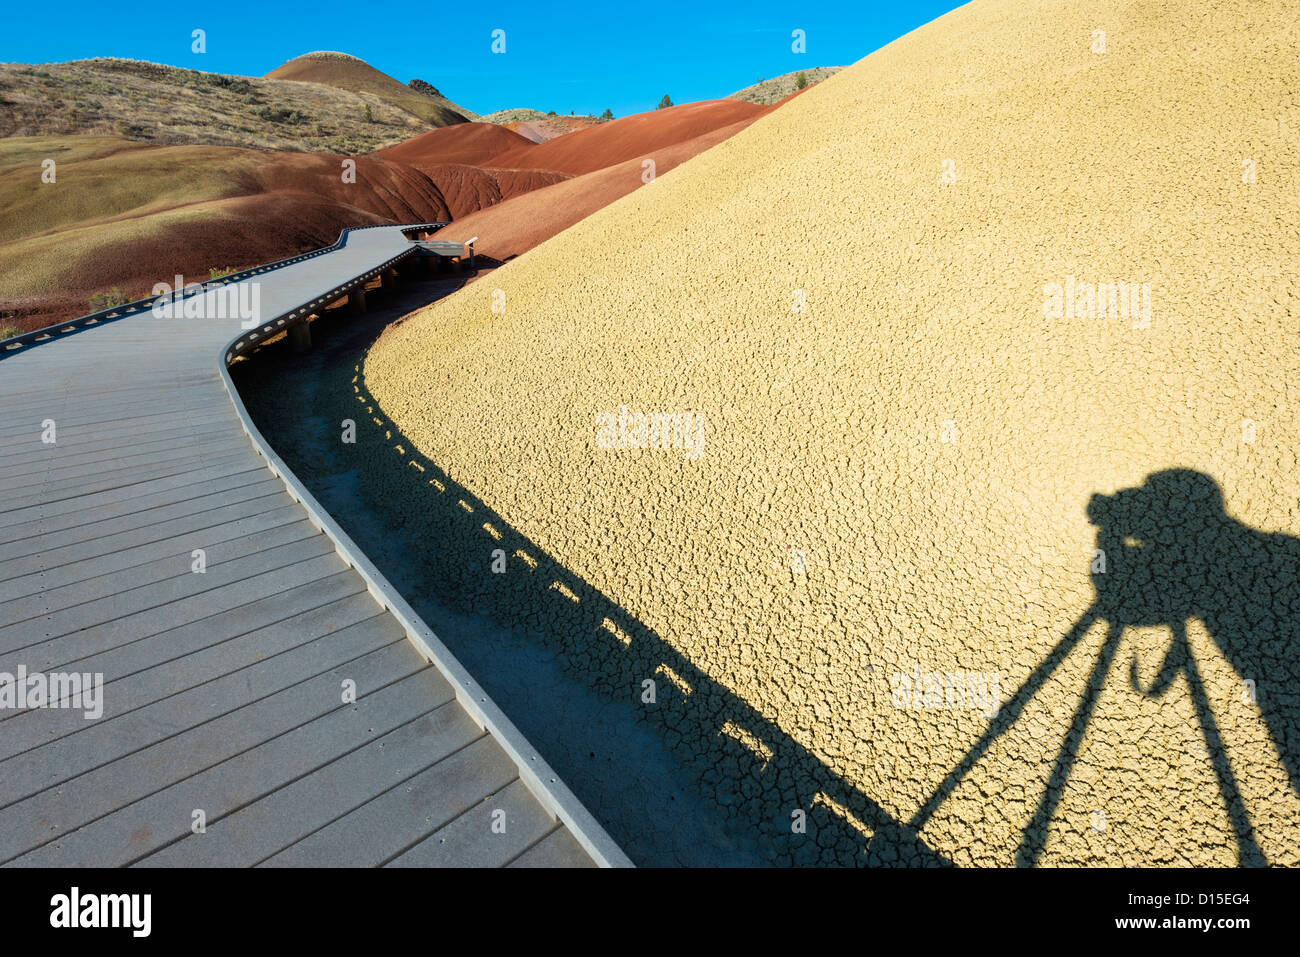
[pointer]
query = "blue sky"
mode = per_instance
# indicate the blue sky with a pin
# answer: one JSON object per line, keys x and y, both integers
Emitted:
{"x": 582, "y": 57}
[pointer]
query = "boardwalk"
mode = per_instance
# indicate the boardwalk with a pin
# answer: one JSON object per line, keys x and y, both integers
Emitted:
{"x": 229, "y": 734}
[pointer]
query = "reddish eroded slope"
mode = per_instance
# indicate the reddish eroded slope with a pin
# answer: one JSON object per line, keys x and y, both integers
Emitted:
{"x": 469, "y": 143}
{"x": 632, "y": 137}
{"x": 232, "y": 233}
{"x": 453, "y": 158}
{"x": 516, "y": 226}
{"x": 466, "y": 189}
{"x": 238, "y": 208}
{"x": 388, "y": 189}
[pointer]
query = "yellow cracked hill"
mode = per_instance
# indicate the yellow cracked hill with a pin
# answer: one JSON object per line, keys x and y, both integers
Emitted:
{"x": 882, "y": 305}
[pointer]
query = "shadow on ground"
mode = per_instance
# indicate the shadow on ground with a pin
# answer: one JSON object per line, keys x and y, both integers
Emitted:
{"x": 569, "y": 666}
{"x": 521, "y": 631}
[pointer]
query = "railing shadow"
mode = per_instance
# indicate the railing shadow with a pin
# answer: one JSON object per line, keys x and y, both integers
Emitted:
{"x": 760, "y": 773}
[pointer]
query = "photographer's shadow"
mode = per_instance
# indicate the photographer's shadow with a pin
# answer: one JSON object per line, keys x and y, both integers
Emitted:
{"x": 1168, "y": 552}
{"x": 1178, "y": 555}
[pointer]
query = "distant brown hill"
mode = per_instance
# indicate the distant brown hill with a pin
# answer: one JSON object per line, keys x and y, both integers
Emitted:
{"x": 768, "y": 92}
{"x": 537, "y": 126}
{"x": 154, "y": 103}
{"x": 474, "y": 143}
{"x": 357, "y": 76}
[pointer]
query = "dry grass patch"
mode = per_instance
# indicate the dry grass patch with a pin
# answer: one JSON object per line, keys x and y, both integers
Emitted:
{"x": 152, "y": 103}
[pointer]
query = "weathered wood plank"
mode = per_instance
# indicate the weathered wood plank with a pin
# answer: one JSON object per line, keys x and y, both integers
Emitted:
{"x": 490, "y": 834}
{"x": 34, "y": 820}
{"x": 222, "y": 690}
{"x": 160, "y": 819}
{"x": 260, "y": 829}
{"x": 557, "y": 849}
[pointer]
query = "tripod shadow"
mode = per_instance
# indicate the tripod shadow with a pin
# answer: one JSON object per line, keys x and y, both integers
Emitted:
{"x": 1169, "y": 552}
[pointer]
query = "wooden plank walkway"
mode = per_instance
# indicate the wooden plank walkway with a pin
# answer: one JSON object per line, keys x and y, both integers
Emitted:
{"x": 223, "y": 690}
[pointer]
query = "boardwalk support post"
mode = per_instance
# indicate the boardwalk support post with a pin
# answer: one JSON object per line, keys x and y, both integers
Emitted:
{"x": 357, "y": 301}
{"x": 300, "y": 336}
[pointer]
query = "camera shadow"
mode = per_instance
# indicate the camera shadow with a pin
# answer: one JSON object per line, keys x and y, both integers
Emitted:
{"x": 1168, "y": 552}
{"x": 1174, "y": 554}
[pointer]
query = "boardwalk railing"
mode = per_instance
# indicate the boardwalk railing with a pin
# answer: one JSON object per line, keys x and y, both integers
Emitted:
{"x": 16, "y": 344}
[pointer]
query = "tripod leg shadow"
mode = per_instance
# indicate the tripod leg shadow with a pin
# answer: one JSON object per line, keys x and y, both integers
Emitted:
{"x": 1006, "y": 717}
{"x": 1248, "y": 850}
{"x": 1179, "y": 660}
{"x": 1035, "y": 833}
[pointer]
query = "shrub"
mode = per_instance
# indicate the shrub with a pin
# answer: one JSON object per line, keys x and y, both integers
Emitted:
{"x": 8, "y": 332}
{"x": 421, "y": 86}
{"x": 606, "y": 116}
{"x": 107, "y": 300}
{"x": 801, "y": 80}
{"x": 216, "y": 272}
{"x": 233, "y": 84}
{"x": 664, "y": 103}
{"x": 275, "y": 115}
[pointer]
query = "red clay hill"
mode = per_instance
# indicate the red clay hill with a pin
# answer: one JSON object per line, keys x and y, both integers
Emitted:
{"x": 252, "y": 206}
{"x": 606, "y": 162}
{"x": 631, "y": 137}
{"x": 228, "y": 207}
{"x": 519, "y": 224}
{"x": 498, "y": 166}
{"x": 458, "y": 158}
{"x": 470, "y": 143}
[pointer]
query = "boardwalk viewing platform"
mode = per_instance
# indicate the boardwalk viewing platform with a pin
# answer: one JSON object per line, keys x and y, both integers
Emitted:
{"x": 266, "y": 696}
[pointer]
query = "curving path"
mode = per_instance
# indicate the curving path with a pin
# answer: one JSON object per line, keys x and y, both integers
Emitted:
{"x": 223, "y": 691}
